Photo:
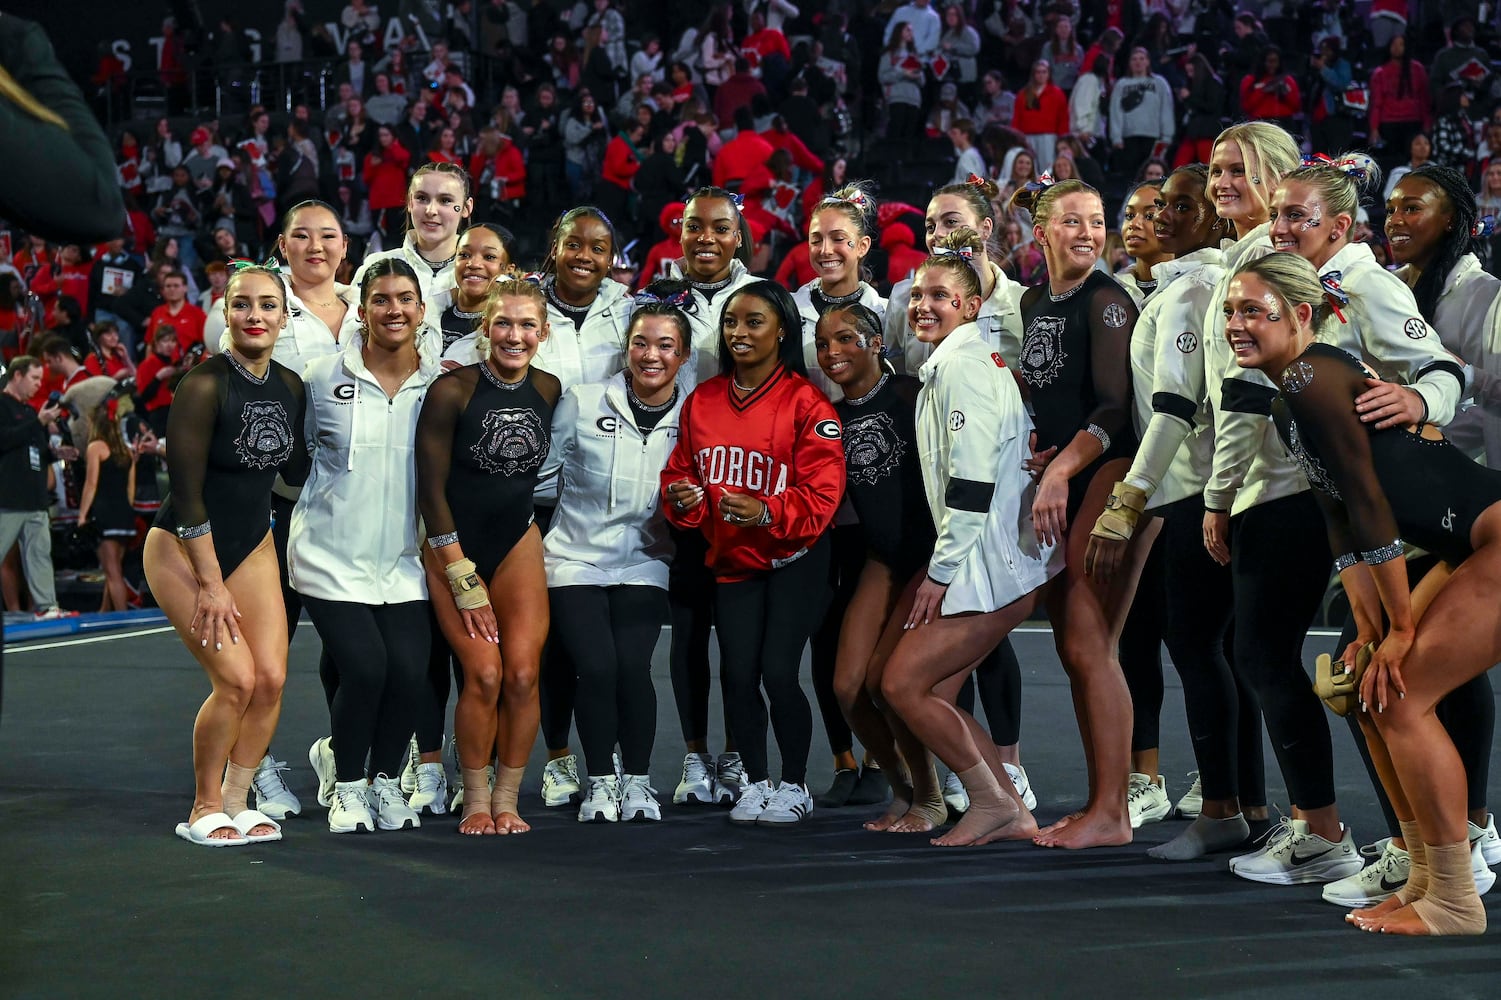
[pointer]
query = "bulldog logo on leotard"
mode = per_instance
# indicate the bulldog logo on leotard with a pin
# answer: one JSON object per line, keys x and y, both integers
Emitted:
{"x": 872, "y": 448}
{"x": 513, "y": 441}
{"x": 1042, "y": 351}
{"x": 265, "y": 440}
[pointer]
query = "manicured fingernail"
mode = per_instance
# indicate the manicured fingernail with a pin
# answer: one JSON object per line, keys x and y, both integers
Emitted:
{"x": 204, "y": 643}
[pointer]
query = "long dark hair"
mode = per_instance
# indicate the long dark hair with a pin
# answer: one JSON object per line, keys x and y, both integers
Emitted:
{"x": 790, "y": 350}
{"x": 1456, "y": 190}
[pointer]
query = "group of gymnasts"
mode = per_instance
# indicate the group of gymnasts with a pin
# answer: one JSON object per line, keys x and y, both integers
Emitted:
{"x": 450, "y": 462}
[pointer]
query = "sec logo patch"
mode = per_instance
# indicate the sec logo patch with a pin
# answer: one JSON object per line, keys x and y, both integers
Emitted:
{"x": 1187, "y": 343}
{"x": 1415, "y": 328}
{"x": 956, "y": 420}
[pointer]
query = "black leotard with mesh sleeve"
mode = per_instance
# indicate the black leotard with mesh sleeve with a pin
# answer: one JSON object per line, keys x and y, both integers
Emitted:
{"x": 1076, "y": 361}
{"x": 883, "y": 478}
{"x": 228, "y": 436}
{"x": 480, "y": 444}
{"x": 1376, "y": 485}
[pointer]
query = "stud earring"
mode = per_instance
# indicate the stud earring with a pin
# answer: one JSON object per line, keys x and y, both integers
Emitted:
{"x": 1255, "y": 178}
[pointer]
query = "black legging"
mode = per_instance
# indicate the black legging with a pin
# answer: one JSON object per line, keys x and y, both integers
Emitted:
{"x": 557, "y": 678}
{"x": 380, "y": 655}
{"x": 1468, "y": 714}
{"x": 281, "y": 525}
{"x": 844, "y": 574}
{"x": 1140, "y": 652}
{"x": 690, "y": 597}
{"x": 432, "y": 712}
{"x": 1280, "y": 563}
{"x": 763, "y": 625}
{"x": 999, "y": 678}
{"x": 610, "y": 633}
{"x": 1224, "y": 718}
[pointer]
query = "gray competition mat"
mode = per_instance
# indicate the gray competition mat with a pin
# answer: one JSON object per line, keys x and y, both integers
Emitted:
{"x": 99, "y": 899}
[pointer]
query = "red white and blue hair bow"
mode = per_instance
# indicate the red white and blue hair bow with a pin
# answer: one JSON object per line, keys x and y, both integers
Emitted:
{"x": 1336, "y": 295}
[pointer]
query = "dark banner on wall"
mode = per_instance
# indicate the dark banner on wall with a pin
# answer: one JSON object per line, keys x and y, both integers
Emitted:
{"x": 133, "y": 31}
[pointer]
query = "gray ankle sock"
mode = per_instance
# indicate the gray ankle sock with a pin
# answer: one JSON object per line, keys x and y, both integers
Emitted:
{"x": 1203, "y": 836}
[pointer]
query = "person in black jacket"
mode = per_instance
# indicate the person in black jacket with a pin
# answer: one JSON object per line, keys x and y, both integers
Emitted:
{"x": 1202, "y": 104}
{"x": 24, "y": 457}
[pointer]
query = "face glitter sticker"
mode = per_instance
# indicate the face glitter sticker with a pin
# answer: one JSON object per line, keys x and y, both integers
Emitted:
{"x": 1187, "y": 342}
{"x": 1315, "y": 219}
{"x": 1274, "y": 317}
{"x": 1415, "y": 329}
{"x": 1114, "y": 315}
{"x": 956, "y": 420}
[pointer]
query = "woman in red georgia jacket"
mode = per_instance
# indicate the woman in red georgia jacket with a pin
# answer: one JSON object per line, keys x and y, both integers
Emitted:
{"x": 759, "y": 469}
{"x": 498, "y": 169}
{"x": 1271, "y": 94}
{"x": 385, "y": 174}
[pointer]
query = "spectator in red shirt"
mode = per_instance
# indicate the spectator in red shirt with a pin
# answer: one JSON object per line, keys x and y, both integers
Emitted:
{"x": 902, "y": 260}
{"x": 782, "y": 137}
{"x": 622, "y": 161}
{"x": 154, "y": 378}
{"x": 1041, "y": 112}
{"x": 498, "y": 170}
{"x": 737, "y": 91}
{"x": 797, "y": 267}
{"x": 187, "y": 319}
{"x": 1399, "y": 101}
{"x": 1271, "y": 94}
{"x": 68, "y": 275}
{"x": 668, "y": 250}
{"x": 385, "y": 173}
{"x": 109, "y": 356}
{"x": 743, "y": 155}
{"x": 445, "y": 148}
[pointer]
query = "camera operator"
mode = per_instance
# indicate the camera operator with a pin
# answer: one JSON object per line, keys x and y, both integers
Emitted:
{"x": 25, "y": 454}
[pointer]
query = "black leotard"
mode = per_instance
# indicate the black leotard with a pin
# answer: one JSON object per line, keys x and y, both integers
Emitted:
{"x": 480, "y": 445}
{"x": 1375, "y": 485}
{"x": 1076, "y": 361}
{"x": 882, "y": 477}
{"x": 228, "y": 436}
{"x": 456, "y": 325}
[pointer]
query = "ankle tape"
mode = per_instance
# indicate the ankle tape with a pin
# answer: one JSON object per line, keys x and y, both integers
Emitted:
{"x": 236, "y": 787}
{"x": 1451, "y": 905}
{"x": 476, "y": 790}
{"x": 507, "y": 789}
{"x": 1417, "y": 855}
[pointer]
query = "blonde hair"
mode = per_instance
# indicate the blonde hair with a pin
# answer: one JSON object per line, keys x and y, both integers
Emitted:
{"x": 1041, "y": 201}
{"x": 1294, "y": 281}
{"x": 1340, "y": 182}
{"x": 21, "y": 97}
{"x": 948, "y": 253}
{"x": 514, "y": 289}
{"x": 1268, "y": 152}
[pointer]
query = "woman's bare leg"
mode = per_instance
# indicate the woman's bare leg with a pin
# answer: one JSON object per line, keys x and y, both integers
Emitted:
{"x": 917, "y": 804}
{"x": 522, "y": 616}
{"x": 239, "y": 716}
{"x": 1087, "y": 622}
{"x": 476, "y": 711}
{"x": 112, "y": 562}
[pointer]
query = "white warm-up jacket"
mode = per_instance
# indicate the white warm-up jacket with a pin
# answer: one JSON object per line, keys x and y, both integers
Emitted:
{"x": 608, "y": 529}
{"x": 1000, "y": 323}
{"x": 355, "y": 530}
{"x": 972, "y": 437}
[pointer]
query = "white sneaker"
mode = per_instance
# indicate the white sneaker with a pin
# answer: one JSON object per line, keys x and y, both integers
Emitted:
{"x": 602, "y": 804}
{"x": 638, "y": 800}
{"x": 788, "y": 804}
{"x": 1375, "y": 882}
{"x": 1490, "y": 842}
{"x": 1192, "y": 803}
{"x": 272, "y": 796}
{"x": 1484, "y": 877}
{"x": 321, "y": 756}
{"x": 1293, "y": 856}
{"x": 752, "y": 802}
{"x": 560, "y": 782}
{"x": 954, "y": 795}
{"x": 431, "y": 792}
{"x": 350, "y": 808}
{"x": 1018, "y": 775}
{"x": 390, "y": 807}
{"x": 409, "y": 769}
{"x": 729, "y": 779}
{"x": 697, "y": 786}
{"x": 1147, "y": 800}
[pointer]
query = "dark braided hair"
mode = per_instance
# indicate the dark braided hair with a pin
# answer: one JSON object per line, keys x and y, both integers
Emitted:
{"x": 1461, "y": 199}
